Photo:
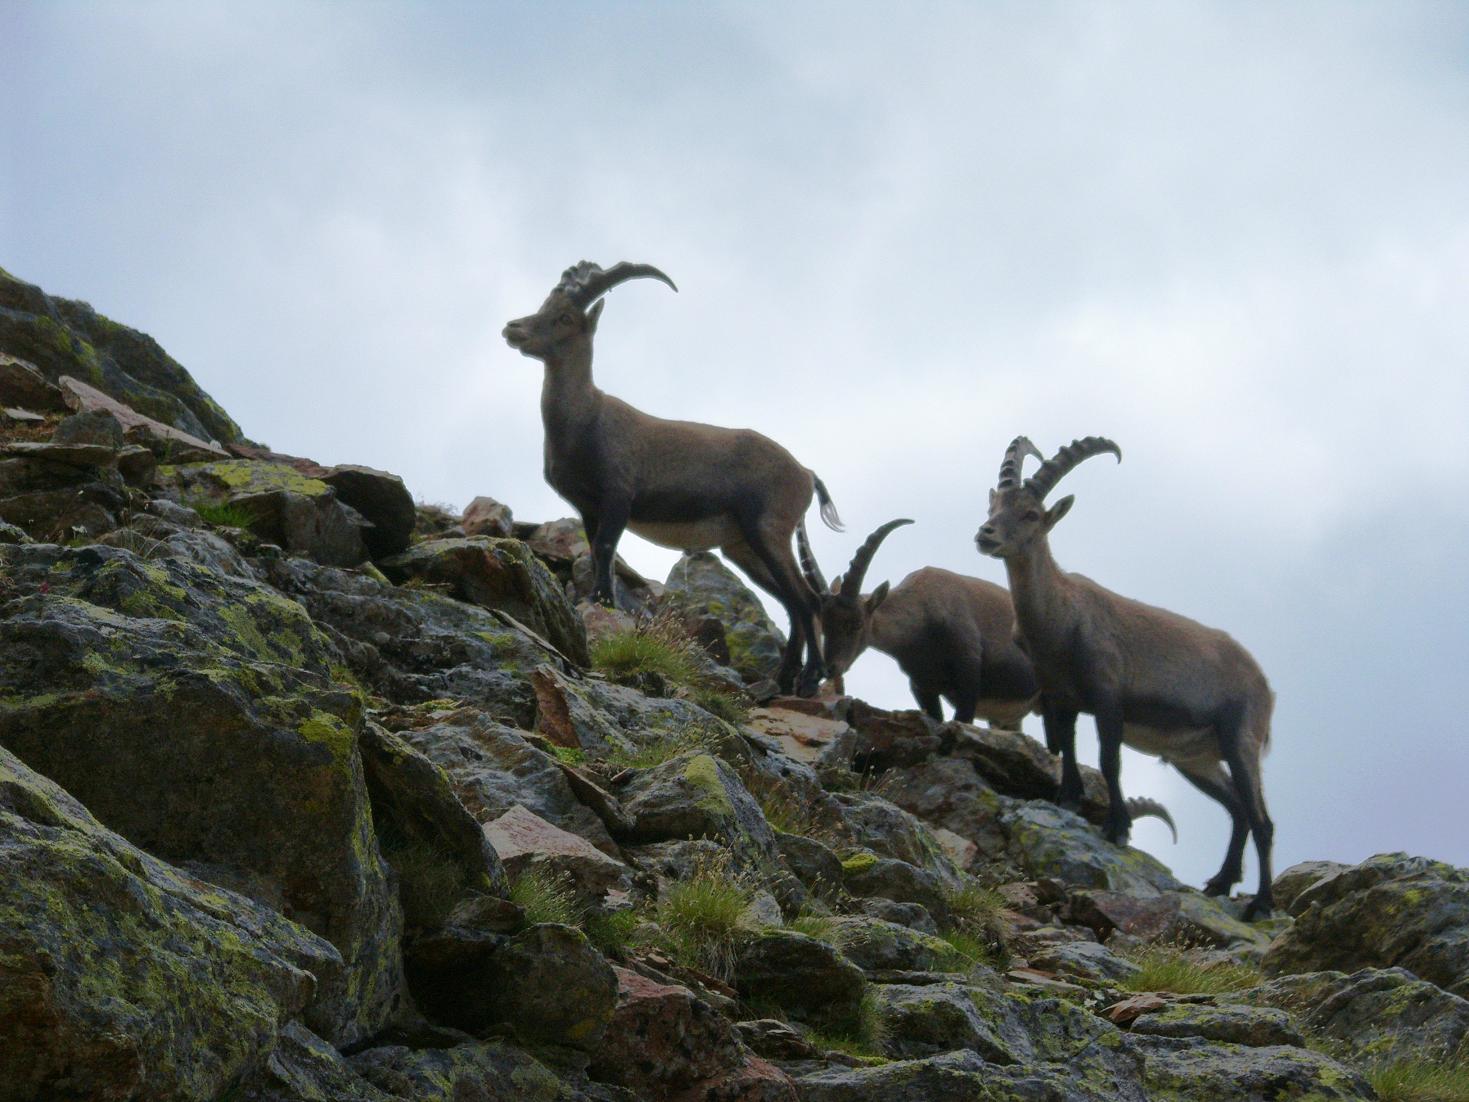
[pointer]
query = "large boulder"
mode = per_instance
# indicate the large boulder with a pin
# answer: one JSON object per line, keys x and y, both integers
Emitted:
{"x": 498, "y": 574}
{"x": 1195, "y": 1068}
{"x": 278, "y": 503}
{"x": 1379, "y": 1015}
{"x": 63, "y": 337}
{"x": 1047, "y": 841}
{"x": 807, "y": 977}
{"x": 120, "y": 976}
{"x": 1391, "y": 909}
{"x": 474, "y": 1071}
{"x": 696, "y": 795}
{"x": 417, "y": 645}
{"x": 58, "y": 491}
{"x": 702, "y": 584}
{"x": 196, "y": 714}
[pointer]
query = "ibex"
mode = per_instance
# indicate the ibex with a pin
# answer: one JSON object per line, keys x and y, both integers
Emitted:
{"x": 679, "y": 484}
{"x": 953, "y": 636}
{"x": 1155, "y": 680}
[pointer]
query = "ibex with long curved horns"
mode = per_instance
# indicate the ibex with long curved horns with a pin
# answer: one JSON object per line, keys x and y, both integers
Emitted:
{"x": 1155, "y": 680}
{"x": 953, "y": 636}
{"x": 679, "y": 484}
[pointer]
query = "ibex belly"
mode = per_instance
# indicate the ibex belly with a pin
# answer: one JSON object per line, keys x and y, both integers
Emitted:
{"x": 1177, "y": 744}
{"x": 689, "y": 535}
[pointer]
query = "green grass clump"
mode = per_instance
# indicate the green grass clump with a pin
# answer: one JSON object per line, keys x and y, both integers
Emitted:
{"x": 865, "y": 1037}
{"x": 613, "y": 932}
{"x": 1168, "y": 968}
{"x": 650, "y": 754}
{"x": 571, "y": 755}
{"x": 818, "y": 926}
{"x": 704, "y": 917}
{"x": 658, "y": 656}
{"x": 658, "y": 646}
{"x": 224, "y": 514}
{"x": 546, "y": 896}
{"x": 1420, "y": 1079}
{"x": 430, "y": 882}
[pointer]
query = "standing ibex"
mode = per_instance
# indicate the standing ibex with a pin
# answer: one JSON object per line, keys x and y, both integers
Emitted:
{"x": 679, "y": 484}
{"x": 953, "y": 636}
{"x": 1153, "y": 679}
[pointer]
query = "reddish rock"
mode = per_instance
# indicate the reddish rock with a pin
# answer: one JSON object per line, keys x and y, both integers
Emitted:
{"x": 487, "y": 517}
{"x": 1147, "y": 917}
{"x": 524, "y": 840}
{"x": 181, "y": 446}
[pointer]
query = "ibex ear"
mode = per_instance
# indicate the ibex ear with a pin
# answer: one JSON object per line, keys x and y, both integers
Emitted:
{"x": 836, "y": 584}
{"x": 993, "y": 494}
{"x": 1059, "y": 510}
{"x": 878, "y": 596}
{"x": 593, "y": 314}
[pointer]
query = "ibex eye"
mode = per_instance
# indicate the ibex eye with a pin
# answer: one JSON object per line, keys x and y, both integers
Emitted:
{"x": 1032, "y": 515}
{"x": 565, "y": 319}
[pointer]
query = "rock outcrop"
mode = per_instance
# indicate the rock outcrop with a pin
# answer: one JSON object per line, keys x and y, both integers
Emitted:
{"x": 308, "y": 792}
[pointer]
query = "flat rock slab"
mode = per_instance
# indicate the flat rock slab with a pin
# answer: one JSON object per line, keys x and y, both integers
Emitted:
{"x": 800, "y": 735}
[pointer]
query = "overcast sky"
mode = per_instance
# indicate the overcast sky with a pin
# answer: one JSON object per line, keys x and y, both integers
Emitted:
{"x": 1232, "y": 237}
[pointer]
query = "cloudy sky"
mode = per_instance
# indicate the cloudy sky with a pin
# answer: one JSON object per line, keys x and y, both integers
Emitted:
{"x": 1232, "y": 237}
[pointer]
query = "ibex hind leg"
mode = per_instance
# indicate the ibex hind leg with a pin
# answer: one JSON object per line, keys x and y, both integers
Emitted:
{"x": 1240, "y": 746}
{"x": 748, "y": 559}
{"x": 1215, "y": 783}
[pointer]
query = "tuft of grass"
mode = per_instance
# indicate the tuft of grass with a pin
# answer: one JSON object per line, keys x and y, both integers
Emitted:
{"x": 657, "y": 751}
{"x": 658, "y": 656}
{"x": 965, "y": 951}
{"x": 1420, "y": 1079}
{"x": 571, "y": 755}
{"x": 613, "y": 932}
{"x": 818, "y": 926}
{"x": 865, "y": 1037}
{"x": 224, "y": 514}
{"x": 429, "y": 880}
{"x": 703, "y": 917}
{"x": 657, "y": 646}
{"x": 1168, "y": 968}
{"x": 546, "y": 896}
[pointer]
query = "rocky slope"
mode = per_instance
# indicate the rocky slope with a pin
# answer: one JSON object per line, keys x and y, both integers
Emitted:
{"x": 308, "y": 793}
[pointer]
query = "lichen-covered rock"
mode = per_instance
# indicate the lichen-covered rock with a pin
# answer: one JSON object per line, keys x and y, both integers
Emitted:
{"x": 811, "y": 862}
{"x": 1377, "y": 1014}
{"x": 1047, "y": 841}
{"x": 416, "y": 645}
{"x": 21, "y": 384}
{"x": 887, "y": 829}
{"x": 875, "y": 945}
{"x": 1088, "y": 960}
{"x": 498, "y": 574}
{"x": 949, "y": 793}
{"x": 1288, "y": 885}
{"x": 703, "y": 584}
{"x": 64, "y": 337}
{"x": 696, "y": 795}
{"x": 56, "y": 491}
{"x": 300, "y": 513}
{"x": 436, "y": 847}
{"x": 1185, "y": 917}
{"x": 477, "y": 1071}
{"x": 383, "y": 501}
{"x": 934, "y": 1018}
{"x": 304, "y": 1068}
{"x": 493, "y": 768}
{"x": 1192, "y": 1068}
{"x": 1391, "y": 909}
{"x": 559, "y": 959}
{"x": 195, "y": 714}
{"x": 866, "y": 874}
{"x": 807, "y": 977}
{"x": 121, "y": 977}
{"x": 1239, "y": 1025}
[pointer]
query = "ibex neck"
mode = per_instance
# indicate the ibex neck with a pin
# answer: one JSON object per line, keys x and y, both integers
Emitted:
{"x": 568, "y": 395}
{"x": 1037, "y": 588}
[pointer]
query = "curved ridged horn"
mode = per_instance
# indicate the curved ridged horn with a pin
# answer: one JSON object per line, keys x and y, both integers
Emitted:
{"x": 1015, "y": 455}
{"x": 808, "y": 561}
{"x": 586, "y": 282}
{"x": 1064, "y": 461}
{"x": 852, "y": 583}
{"x": 1139, "y": 807}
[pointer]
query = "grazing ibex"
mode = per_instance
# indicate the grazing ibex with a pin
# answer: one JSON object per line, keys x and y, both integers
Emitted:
{"x": 953, "y": 636}
{"x": 679, "y": 484}
{"x": 1155, "y": 680}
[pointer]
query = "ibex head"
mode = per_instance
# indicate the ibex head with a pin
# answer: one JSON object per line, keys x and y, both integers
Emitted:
{"x": 571, "y": 310}
{"x": 1018, "y": 516}
{"x": 846, "y": 615}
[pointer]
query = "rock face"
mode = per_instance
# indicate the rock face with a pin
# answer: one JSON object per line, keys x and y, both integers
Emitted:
{"x": 62, "y": 337}
{"x": 282, "y": 824}
{"x": 121, "y": 977}
{"x": 704, "y": 584}
{"x": 1390, "y": 910}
